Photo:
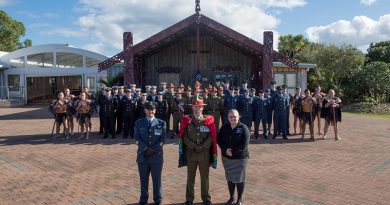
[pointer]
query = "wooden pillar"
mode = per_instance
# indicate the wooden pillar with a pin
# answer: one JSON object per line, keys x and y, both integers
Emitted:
{"x": 266, "y": 71}
{"x": 128, "y": 58}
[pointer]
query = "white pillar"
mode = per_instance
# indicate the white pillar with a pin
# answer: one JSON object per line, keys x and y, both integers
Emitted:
{"x": 55, "y": 59}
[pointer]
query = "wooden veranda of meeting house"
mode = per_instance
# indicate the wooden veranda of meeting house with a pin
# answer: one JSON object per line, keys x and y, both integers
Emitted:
{"x": 198, "y": 48}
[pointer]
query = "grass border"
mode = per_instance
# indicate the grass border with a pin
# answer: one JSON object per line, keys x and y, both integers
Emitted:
{"x": 383, "y": 116}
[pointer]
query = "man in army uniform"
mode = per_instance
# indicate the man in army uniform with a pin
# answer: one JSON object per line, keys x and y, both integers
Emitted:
{"x": 150, "y": 134}
{"x": 178, "y": 106}
{"x": 280, "y": 105}
{"x": 214, "y": 107}
{"x": 188, "y": 97}
{"x": 261, "y": 114}
{"x": 197, "y": 145}
{"x": 129, "y": 105}
{"x": 180, "y": 88}
{"x": 110, "y": 105}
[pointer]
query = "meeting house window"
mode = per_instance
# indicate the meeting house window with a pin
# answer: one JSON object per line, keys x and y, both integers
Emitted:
{"x": 14, "y": 82}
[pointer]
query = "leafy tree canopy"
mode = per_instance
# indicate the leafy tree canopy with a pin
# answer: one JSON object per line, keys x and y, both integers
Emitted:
{"x": 379, "y": 52}
{"x": 10, "y": 32}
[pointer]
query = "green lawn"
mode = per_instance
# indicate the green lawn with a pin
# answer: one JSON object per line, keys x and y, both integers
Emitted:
{"x": 369, "y": 115}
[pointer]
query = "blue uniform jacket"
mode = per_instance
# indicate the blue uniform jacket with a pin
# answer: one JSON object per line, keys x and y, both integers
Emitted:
{"x": 153, "y": 136}
{"x": 261, "y": 104}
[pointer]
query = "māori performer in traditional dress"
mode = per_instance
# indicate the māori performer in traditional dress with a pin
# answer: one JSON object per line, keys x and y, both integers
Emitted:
{"x": 307, "y": 113}
{"x": 60, "y": 109}
{"x": 71, "y": 112}
{"x": 318, "y": 96}
{"x": 331, "y": 112}
{"x": 297, "y": 109}
{"x": 83, "y": 108}
{"x": 233, "y": 139}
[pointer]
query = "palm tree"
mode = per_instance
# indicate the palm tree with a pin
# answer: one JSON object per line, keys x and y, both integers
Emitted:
{"x": 290, "y": 45}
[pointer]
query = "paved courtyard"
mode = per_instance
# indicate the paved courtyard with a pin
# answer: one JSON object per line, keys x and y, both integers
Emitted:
{"x": 37, "y": 170}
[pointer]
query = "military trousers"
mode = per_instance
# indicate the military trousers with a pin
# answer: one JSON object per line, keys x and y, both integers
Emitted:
{"x": 145, "y": 170}
{"x": 217, "y": 118}
{"x": 264, "y": 122}
{"x": 280, "y": 122}
{"x": 109, "y": 125}
{"x": 176, "y": 120}
{"x": 101, "y": 125}
{"x": 119, "y": 121}
{"x": 128, "y": 125}
{"x": 204, "y": 167}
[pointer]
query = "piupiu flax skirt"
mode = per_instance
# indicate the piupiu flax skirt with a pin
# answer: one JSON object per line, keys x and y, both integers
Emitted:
{"x": 235, "y": 169}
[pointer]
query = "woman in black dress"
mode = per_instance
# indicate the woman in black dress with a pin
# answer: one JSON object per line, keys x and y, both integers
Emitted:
{"x": 233, "y": 139}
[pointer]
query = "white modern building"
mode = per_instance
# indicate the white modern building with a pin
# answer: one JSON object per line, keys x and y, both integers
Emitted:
{"x": 39, "y": 72}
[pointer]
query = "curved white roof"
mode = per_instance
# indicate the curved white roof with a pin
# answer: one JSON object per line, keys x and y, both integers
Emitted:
{"x": 47, "y": 48}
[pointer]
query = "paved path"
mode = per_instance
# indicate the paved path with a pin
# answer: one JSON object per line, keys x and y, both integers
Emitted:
{"x": 37, "y": 170}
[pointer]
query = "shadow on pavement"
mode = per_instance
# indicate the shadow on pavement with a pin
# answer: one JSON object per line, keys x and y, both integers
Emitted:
{"x": 38, "y": 113}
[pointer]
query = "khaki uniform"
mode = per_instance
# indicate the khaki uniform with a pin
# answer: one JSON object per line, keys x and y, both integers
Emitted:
{"x": 196, "y": 134}
{"x": 214, "y": 107}
{"x": 177, "y": 113}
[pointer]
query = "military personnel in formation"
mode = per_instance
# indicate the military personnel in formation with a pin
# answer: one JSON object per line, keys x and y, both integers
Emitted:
{"x": 150, "y": 135}
{"x": 289, "y": 97}
{"x": 246, "y": 108}
{"x": 237, "y": 91}
{"x": 188, "y": 99}
{"x": 214, "y": 107}
{"x": 252, "y": 92}
{"x": 180, "y": 88}
{"x": 280, "y": 105}
{"x": 198, "y": 145}
{"x": 226, "y": 87}
{"x": 244, "y": 86}
{"x": 141, "y": 106}
{"x": 153, "y": 94}
{"x": 119, "y": 112}
{"x": 222, "y": 109}
{"x": 178, "y": 108}
{"x": 269, "y": 110}
{"x": 100, "y": 100}
{"x": 261, "y": 114}
{"x": 273, "y": 89}
{"x": 163, "y": 87}
{"x": 197, "y": 85}
{"x": 169, "y": 97}
{"x": 230, "y": 102}
{"x": 132, "y": 88}
{"x": 161, "y": 107}
{"x": 137, "y": 94}
{"x": 129, "y": 106}
{"x": 147, "y": 89}
{"x": 110, "y": 105}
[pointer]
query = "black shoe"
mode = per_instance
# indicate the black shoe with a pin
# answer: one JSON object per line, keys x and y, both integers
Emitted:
{"x": 256, "y": 136}
{"x": 238, "y": 202}
{"x": 265, "y": 136}
{"x": 113, "y": 137}
{"x": 105, "y": 136}
{"x": 285, "y": 137}
{"x": 142, "y": 203}
{"x": 188, "y": 203}
{"x": 100, "y": 133}
{"x": 273, "y": 137}
{"x": 229, "y": 202}
{"x": 125, "y": 137}
{"x": 157, "y": 203}
{"x": 207, "y": 203}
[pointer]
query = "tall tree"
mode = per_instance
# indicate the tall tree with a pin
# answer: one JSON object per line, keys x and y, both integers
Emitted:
{"x": 379, "y": 52}
{"x": 10, "y": 33}
{"x": 290, "y": 45}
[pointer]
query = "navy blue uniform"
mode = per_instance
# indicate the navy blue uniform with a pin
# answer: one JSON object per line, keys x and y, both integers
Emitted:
{"x": 150, "y": 135}
{"x": 119, "y": 114}
{"x": 162, "y": 110}
{"x": 288, "y": 96}
{"x": 280, "y": 106}
{"x": 261, "y": 115}
{"x": 246, "y": 108}
{"x": 110, "y": 106}
{"x": 128, "y": 107}
{"x": 229, "y": 102}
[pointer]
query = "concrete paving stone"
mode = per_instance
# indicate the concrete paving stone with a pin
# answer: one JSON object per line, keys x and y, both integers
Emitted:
{"x": 34, "y": 169}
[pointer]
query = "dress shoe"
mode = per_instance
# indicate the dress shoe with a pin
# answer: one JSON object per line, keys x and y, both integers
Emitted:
{"x": 142, "y": 203}
{"x": 229, "y": 202}
{"x": 285, "y": 138}
{"x": 265, "y": 136}
{"x": 188, "y": 203}
{"x": 273, "y": 137}
{"x": 105, "y": 136}
{"x": 157, "y": 203}
{"x": 238, "y": 203}
{"x": 207, "y": 203}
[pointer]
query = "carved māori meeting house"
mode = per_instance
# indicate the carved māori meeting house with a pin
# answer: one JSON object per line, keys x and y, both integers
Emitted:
{"x": 200, "y": 48}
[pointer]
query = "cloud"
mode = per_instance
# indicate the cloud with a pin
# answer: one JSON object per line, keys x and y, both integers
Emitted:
{"x": 5, "y": 2}
{"x": 65, "y": 32}
{"x": 106, "y": 21}
{"x": 367, "y": 2}
{"x": 95, "y": 47}
{"x": 360, "y": 31}
{"x": 50, "y": 15}
{"x": 38, "y": 25}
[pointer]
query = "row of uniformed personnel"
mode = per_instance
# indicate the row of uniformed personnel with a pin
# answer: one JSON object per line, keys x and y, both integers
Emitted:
{"x": 123, "y": 107}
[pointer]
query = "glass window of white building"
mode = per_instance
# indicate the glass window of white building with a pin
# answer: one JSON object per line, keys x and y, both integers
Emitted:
{"x": 17, "y": 62}
{"x": 14, "y": 82}
{"x": 69, "y": 60}
{"x": 40, "y": 60}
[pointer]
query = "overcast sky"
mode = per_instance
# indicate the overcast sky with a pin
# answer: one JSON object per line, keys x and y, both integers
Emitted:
{"x": 98, "y": 25}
